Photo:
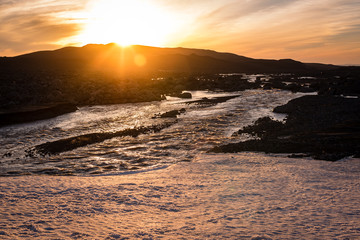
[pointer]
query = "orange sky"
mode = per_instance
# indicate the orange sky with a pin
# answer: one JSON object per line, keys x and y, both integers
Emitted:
{"x": 326, "y": 31}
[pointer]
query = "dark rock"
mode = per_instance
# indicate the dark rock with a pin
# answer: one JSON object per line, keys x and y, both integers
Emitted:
{"x": 181, "y": 94}
{"x": 34, "y": 113}
{"x": 267, "y": 86}
{"x": 210, "y": 101}
{"x": 68, "y": 144}
{"x": 293, "y": 87}
{"x": 261, "y": 126}
{"x": 323, "y": 127}
{"x": 347, "y": 86}
{"x": 317, "y": 113}
{"x": 277, "y": 84}
{"x": 170, "y": 114}
{"x": 185, "y": 95}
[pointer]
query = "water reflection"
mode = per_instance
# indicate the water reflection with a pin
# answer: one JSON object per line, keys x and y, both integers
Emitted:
{"x": 196, "y": 131}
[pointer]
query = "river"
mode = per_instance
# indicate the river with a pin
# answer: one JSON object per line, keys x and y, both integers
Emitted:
{"x": 200, "y": 128}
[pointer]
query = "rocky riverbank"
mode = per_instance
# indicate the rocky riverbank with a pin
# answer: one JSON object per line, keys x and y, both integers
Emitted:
{"x": 322, "y": 127}
{"x": 28, "y": 89}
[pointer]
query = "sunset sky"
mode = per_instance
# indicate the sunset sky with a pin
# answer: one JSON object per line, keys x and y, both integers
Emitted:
{"x": 326, "y": 31}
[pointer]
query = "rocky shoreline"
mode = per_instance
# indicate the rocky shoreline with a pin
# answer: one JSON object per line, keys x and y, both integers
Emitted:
{"x": 322, "y": 127}
{"x": 325, "y": 126}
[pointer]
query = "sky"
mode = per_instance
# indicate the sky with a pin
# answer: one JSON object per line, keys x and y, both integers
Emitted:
{"x": 325, "y": 31}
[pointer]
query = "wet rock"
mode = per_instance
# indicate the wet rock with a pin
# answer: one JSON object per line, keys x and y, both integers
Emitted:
{"x": 185, "y": 95}
{"x": 68, "y": 144}
{"x": 170, "y": 114}
{"x": 211, "y": 101}
{"x": 261, "y": 126}
{"x": 181, "y": 94}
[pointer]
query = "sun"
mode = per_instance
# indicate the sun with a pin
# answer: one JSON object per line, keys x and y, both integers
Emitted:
{"x": 128, "y": 22}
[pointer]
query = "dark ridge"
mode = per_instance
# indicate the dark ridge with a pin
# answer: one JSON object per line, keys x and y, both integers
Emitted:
{"x": 158, "y": 59}
{"x": 69, "y": 144}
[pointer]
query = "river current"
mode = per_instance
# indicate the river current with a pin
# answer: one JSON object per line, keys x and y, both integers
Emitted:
{"x": 200, "y": 128}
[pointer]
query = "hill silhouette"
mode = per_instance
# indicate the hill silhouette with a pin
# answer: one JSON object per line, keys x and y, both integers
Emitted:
{"x": 110, "y": 74}
{"x": 111, "y": 57}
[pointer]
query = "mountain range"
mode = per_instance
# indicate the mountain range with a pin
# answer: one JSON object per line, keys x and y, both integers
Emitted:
{"x": 137, "y": 58}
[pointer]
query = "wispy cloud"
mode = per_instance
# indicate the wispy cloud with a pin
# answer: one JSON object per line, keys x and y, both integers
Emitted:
{"x": 307, "y": 30}
{"x": 34, "y": 25}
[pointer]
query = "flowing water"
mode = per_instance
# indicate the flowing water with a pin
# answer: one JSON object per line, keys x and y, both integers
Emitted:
{"x": 214, "y": 196}
{"x": 200, "y": 128}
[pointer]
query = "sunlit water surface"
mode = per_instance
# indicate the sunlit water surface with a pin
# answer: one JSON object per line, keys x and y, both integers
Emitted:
{"x": 196, "y": 131}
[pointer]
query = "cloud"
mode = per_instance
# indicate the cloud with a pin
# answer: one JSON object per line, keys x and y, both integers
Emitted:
{"x": 350, "y": 34}
{"x": 26, "y": 27}
{"x": 235, "y": 10}
{"x": 236, "y": 19}
{"x": 281, "y": 29}
{"x": 316, "y": 30}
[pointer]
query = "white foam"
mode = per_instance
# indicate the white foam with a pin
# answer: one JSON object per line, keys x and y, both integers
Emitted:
{"x": 216, "y": 196}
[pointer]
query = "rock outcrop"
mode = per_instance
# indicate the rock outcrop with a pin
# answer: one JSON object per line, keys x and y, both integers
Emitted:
{"x": 323, "y": 127}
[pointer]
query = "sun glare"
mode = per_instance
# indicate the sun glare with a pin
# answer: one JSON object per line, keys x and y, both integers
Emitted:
{"x": 128, "y": 23}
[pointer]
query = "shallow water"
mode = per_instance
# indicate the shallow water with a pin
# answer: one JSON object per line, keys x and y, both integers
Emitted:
{"x": 199, "y": 129}
{"x": 215, "y": 196}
